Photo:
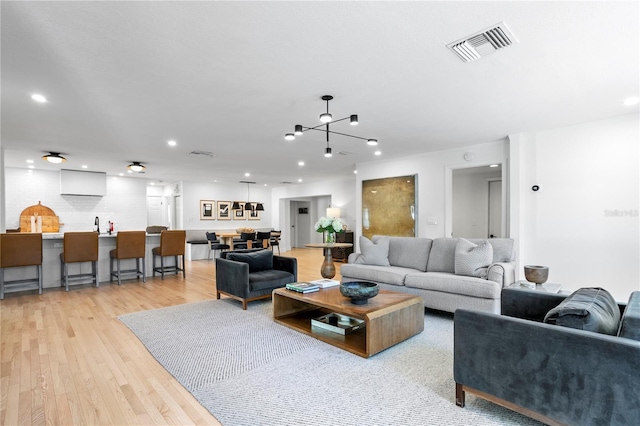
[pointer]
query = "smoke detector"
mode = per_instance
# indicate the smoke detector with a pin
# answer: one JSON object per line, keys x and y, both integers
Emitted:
{"x": 483, "y": 42}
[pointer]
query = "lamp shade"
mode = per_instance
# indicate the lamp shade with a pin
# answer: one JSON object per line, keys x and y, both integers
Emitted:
{"x": 54, "y": 157}
{"x": 327, "y": 152}
{"x": 248, "y": 206}
{"x": 259, "y": 207}
{"x": 136, "y": 167}
{"x": 333, "y": 212}
{"x": 325, "y": 117}
{"x": 236, "y": 206}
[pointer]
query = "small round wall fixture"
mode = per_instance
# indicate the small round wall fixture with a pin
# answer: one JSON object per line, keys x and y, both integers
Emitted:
{"x": 54, "y": 157}
{"x": 535, "y": 188}
{"x": 136, "y": 166}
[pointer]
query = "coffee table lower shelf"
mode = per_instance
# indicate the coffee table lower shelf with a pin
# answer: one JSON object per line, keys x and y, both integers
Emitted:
{"x": 394, "y": 318}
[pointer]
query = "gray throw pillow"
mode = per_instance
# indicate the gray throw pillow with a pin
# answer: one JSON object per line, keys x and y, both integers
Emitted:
{"x": 472, "y": 260}
{"x": 261, "y": 260}
{"x": 591, "y": 309}
{"x": 374, "y": 253}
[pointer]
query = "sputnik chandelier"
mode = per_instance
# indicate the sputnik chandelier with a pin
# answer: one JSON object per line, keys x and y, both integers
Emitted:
{"x": 326, "y": 118}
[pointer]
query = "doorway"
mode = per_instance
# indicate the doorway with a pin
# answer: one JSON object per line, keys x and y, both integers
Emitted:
{"x": 476, "y": 202}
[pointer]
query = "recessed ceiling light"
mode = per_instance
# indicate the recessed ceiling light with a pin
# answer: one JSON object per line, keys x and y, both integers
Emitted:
{"x": 247, "y": 174}
{"x": 493, "y": 165}
{"x": 355, "y": 172}
{"x": 172, "y": 143}
{"x": 32, "y": 167}
{"x": 152, "y": 183}
{"x": 84, "y": 166}
{"x": 129, "y": 171}
{"x": 30, "y": 161}
{"x": 631, "y": 101}
{"x": 266, "y": 184}
{"x": 300, "y": 163}
{"x": 377, "y": 152}
{"x": 299, "y": 180}
{"x": 120, "y": 174}
{"x": 38, "y": 98}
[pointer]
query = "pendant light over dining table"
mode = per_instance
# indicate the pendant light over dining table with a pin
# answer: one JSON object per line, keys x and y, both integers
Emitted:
{"x": 326, "y": 118}
{"x": 248, "y": 206}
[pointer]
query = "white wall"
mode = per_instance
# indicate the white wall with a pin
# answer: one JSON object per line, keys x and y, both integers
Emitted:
{"x": 340, "y": 192}
{"x": 125, "y": 203}
{"x": 585, "y": 173}
{"x": 193, "y": 192}
{"x": 433, "y": 172}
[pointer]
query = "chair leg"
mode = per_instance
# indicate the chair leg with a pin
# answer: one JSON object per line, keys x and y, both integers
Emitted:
{"x": 153, "y": 267}
{"x": 119, "y": 279}
{"x": 66, "y": 277}
{"x": 184, "y": 273}
{"x": 162, "y": 267}
{"x": 94, "y": 271}
{"x": 111, "y": 269}
{"x": 39, "y": 279}
{"x": 1, "y": 283}
{"x": 144, "y": 271}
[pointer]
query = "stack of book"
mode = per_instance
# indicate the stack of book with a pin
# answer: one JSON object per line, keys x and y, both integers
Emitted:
{"x": 302, "y": 287}
{"x": 325, "y": 283}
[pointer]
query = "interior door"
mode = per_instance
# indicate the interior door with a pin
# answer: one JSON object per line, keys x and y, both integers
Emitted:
{"x": 495, "y": 209}
{"x": 154, "y": 211}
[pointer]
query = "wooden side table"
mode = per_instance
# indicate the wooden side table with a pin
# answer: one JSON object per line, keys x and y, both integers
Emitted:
{"x": 328, "y": 269}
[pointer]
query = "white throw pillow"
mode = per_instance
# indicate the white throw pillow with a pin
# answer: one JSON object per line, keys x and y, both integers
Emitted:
{"x": 374, "y": 253}
{"x": 471, "y": 259}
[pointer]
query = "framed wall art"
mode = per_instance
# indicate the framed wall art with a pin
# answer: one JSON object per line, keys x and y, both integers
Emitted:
{"x": 389, "y": 206}
{"x": 224, "y": 210}
{"x": 254, "y": 214}
{"x": 207, "y": 210}
{"x": 240, "y": 214}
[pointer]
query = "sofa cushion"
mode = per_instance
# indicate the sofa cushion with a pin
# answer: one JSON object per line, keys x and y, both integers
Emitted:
{"x": 472, "y": 260}
{"x": 408, "y": 252}
{"x": 503, "y": 248}
{"x": 442, "y": 255}
{"x": 454, "y": 284}
{"x": 382, "y": 274}
{"x": 591, "y": 309}
{"x": 260, "y": 260}
{"x": 630, "y": 323}
{"x": 374, "y": 253}
{"x": 272, "y": 278}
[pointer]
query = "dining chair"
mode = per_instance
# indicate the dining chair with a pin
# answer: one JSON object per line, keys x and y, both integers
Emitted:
{"x": 275, "y": 240}
{"x": 262, "y": 239}
{"x": 215, "y": 245}
{"x": 242, "y": 242}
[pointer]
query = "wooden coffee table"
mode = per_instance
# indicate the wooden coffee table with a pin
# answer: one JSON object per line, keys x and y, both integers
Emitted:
{"x": 389, "y": 317}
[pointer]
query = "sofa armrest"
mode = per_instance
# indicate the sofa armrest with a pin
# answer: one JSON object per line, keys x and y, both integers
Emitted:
{"x": 528, "y": 304}
{"x": 352, "y": 257}
{"x": 288, "y": 264}
{"x": 504, "y": 273}
{"x": 232, "y": 277}
{"x": 571, "y": 376}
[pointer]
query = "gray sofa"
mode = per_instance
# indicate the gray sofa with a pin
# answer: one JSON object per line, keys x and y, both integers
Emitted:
{"x": 553, "y": 373}
{"x": 426, "y": 268}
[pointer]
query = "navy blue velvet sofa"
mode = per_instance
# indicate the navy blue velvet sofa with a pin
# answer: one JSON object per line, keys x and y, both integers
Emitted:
{"x": 557, "y": 375}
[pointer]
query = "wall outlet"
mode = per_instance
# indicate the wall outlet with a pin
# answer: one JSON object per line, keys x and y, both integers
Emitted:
{"x": 432, "y": 220}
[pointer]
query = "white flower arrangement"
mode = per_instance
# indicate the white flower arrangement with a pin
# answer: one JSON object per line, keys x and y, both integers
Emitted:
{"x": 329, "y": 224}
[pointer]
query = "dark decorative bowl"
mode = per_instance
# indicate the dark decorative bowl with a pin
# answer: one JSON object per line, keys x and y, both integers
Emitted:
{"x": 359, "y": 291}
{"x": 536, "y": 274}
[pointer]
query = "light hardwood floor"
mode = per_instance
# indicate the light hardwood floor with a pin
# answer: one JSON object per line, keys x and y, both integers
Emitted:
{"x": 67, "y": 359}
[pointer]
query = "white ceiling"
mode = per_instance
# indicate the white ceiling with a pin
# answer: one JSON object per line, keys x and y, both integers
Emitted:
{"x": 122, "y": 78}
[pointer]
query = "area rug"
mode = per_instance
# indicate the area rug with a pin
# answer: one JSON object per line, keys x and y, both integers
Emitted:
{"x": 248, "y": 370}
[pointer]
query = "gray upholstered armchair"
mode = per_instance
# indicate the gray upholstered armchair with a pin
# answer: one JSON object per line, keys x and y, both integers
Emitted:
{"x": 247, "y": 275}
{"x": 555, "y": 374}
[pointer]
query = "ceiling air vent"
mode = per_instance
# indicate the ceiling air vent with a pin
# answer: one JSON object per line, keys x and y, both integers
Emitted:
{"x": 483, "y": 43}
{"x": 202, "y": 154}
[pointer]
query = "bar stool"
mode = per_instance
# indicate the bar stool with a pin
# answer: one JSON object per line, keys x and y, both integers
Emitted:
{"x": 79, "y": 247}
{"x": 20, "y": 250}
{"x": 172, "y": 243}
{"x": 129, "y": 245}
